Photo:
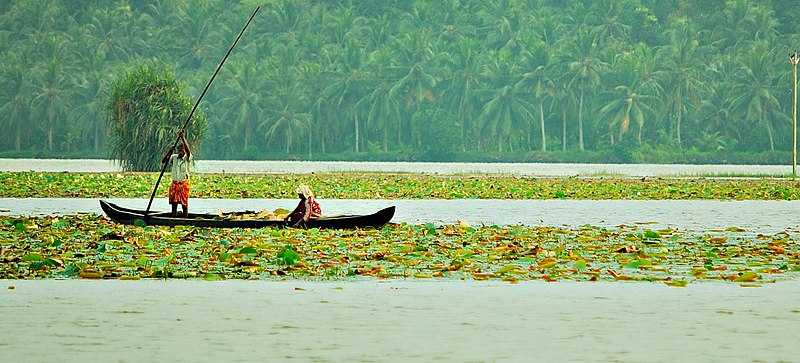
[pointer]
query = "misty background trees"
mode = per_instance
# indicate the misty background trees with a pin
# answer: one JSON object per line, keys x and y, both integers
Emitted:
{"x": 384, "y": 79}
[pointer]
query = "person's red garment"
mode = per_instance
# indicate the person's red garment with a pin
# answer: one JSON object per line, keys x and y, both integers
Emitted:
{"x": 305, "y": 205}
{"x": 179, "y": 193}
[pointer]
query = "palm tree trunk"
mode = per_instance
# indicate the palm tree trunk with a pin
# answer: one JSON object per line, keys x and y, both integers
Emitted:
{"x": 355, "y": 121}
{"x": 96, "y": 136}
{"x": 541, "y": 123}
{"x": 288, "y": 141}
{"x": 309, "y": 143}
{"x": 246, "y": 135}
{"x": 529, "y": 146}
{"x": 564, "y": 130}
{"x": 639, "y": 135}
{"x": 771, "y": 138}
{"x": 50, "y": 138}
{"x": 322, "y": 141}
{"x": 18, "y": 139}
{"x": 399, "y": 130}
{"x": 580, "y": 122}
{"x": 463, "y": 134}
{"x": 678, "y": 129}
{"x": 385, "y": 138}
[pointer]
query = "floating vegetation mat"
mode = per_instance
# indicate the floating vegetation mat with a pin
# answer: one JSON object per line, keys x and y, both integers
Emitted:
{"x": 91, "y": 246}
{"x": 395, "y": 186}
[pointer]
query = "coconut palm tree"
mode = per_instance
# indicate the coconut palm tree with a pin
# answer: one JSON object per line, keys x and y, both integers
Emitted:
{"x": 412, "y": 75}
{"x": 633, "y": 88}
{"x": 15, "y": 99}
{"x": 757, "y": 89}
{"x": 244, "y": 91}
{"x": 346, "y": 86}
{"x": 52, "y": 97}
{"x": 508, "y": 108}
{"x": 92, "y": 92}
{"x": 682, "y": 58}
{"x": 538, "y": 78}
{"x": 583, "y": 70}
{"x": 289, "y": 122}
{"x": 461, "y": 84}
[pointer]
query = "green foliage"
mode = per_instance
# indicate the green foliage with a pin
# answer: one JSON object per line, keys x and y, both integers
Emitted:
{"x": 414, "y": 79}
{"x": 510, "y": 253}
{"x": 146, "y": 109}
{"x": 391, "y": 186}
{"x": 288, "y": 256}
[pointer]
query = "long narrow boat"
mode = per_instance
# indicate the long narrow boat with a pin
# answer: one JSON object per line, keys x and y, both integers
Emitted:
{"x": 132, "y": 216}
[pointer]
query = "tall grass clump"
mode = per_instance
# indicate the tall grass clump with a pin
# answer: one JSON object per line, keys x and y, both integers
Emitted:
{"x": 145, "y": 110}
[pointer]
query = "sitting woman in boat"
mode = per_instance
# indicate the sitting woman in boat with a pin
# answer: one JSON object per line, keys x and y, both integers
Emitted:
{"x": 179, "y": 189}
{"x": 306, "y": 210}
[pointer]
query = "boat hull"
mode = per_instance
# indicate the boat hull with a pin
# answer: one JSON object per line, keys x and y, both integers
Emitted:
{"x": 132, "y": 216}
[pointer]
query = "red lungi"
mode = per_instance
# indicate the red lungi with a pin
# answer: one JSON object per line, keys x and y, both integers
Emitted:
{"x": 179, "y": 192}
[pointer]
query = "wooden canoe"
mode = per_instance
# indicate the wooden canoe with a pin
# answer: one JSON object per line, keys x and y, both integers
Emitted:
{"x": 132, "y": 216}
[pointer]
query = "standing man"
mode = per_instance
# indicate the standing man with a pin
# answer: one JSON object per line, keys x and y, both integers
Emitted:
{"x": 179, "y": 189}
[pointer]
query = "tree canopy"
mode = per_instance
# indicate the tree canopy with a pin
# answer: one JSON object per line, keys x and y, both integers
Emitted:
{"x": 396, "y": 76}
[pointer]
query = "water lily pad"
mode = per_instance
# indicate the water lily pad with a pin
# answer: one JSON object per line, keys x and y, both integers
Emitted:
{"x": 249, "y": 250}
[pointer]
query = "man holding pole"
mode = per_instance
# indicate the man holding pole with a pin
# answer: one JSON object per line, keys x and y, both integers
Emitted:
{"x": 184, "y": 187}
{"x": 179, "y": 189}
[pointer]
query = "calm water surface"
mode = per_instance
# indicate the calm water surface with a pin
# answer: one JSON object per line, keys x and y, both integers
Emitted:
{"x": 383, "y": 321}
{"x": 762, "y": 216}
{"x": 521, "y": 169}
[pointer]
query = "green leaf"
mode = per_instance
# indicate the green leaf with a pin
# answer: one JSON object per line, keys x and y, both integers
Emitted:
{"x": 59, "y": 224}
{"x": 431, "y": 228}
{"x": 138, "y": 222}
{"x": 288, "y": 256}
{"x": 212, "y": 277}
{"x": 142, "y": 261}
{"x": 32, "y": 257}
{"x": 747, "y": 277}
{"x": 224, "y": 256}
{"x": 635, "y": 264}
{"x": 677, "y": 283}
{"x": 580, "y": 265}
{"x": 651, "y": 234}
{"x": 70, "y": 270}
{"x": 248, "y": 250}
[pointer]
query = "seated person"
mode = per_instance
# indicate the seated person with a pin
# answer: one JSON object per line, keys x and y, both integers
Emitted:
{"x": 307, "y": 209}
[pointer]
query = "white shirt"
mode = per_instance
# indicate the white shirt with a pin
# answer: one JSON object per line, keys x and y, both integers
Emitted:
{"x": 180, "y": 167}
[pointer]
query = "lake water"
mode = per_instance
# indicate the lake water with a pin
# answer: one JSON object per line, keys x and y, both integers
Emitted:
{"x": 382, "y": 321}
{"x": 761, "y": 216}
{"x": 520, "y": 169}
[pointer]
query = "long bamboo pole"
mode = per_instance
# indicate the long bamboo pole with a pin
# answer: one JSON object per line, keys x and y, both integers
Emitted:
{"x": 186, "y": 123}
{"x": 794, "y": 59}
{"x": 794, "y": 118}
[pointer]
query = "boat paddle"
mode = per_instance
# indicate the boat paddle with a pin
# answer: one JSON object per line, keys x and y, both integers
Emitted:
{"x": 186, "y": 123}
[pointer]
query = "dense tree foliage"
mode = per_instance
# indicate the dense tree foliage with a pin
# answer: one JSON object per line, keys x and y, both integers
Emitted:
{"x": 401, "y": 76}
{"x": 146, "y": 109}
